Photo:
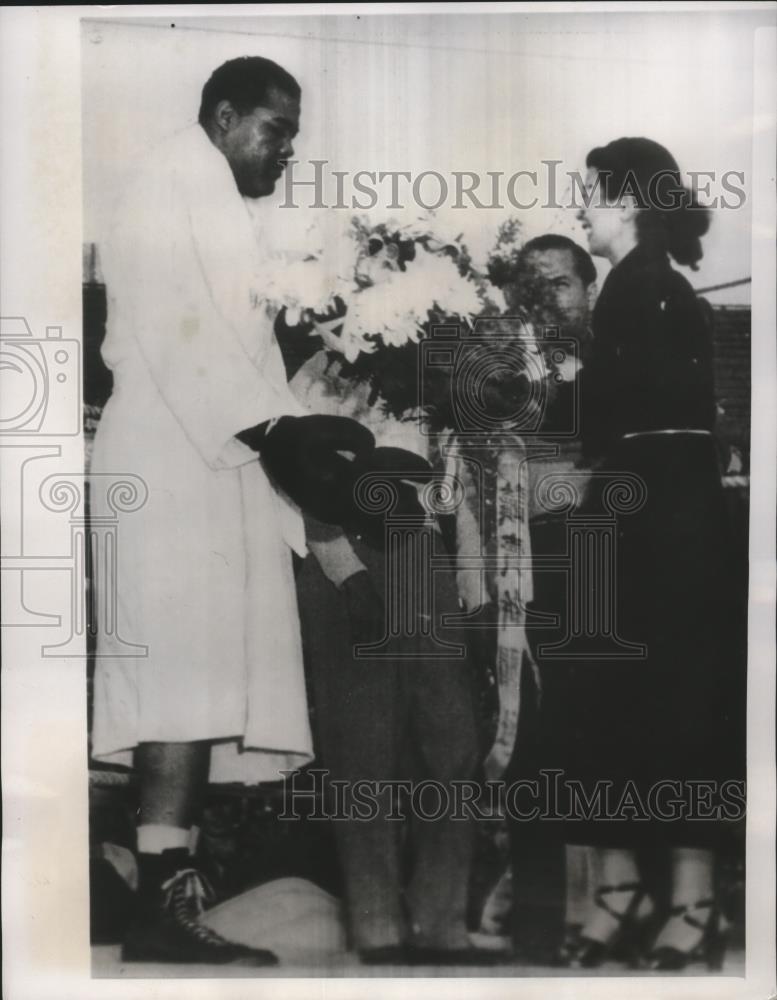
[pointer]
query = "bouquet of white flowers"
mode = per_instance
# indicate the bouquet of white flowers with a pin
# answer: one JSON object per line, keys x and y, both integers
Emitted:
{"x": 375, "y": 291}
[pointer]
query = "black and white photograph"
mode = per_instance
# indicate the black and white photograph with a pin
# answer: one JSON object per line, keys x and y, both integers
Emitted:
{"x": 388, "y": 457}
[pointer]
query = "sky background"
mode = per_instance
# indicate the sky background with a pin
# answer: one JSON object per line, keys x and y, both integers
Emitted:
{"x": 479, "y": 92}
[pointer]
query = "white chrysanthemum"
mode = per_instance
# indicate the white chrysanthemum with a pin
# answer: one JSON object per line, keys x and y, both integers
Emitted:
{"x": 310, "y": 284}
{"x": 382, "y": 309}
{"x": 350, "y": 342}
{"x": 433, "y": 279}
{"x": 395, "y": 304}
{"x": 298, "y": 285}
{"x": 495, "y": 297}
{"x": 427, "y": 225}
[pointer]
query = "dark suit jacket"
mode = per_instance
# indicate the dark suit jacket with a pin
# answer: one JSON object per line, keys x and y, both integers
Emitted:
{"x": 650, "y": 363}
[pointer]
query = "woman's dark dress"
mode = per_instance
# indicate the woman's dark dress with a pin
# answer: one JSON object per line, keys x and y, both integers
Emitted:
{"x": 676, "y": 714}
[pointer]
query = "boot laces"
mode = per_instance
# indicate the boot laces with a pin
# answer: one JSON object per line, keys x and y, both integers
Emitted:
{"x": 186, "y": 896}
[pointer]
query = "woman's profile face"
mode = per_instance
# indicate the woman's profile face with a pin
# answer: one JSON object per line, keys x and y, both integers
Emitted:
{"x": 602, "y": 220}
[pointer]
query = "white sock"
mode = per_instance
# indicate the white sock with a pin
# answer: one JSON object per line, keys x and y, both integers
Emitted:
{"x": 153, "y": 838}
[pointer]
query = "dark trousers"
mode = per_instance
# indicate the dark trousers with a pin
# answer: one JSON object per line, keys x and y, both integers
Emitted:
{"x": 406, "y": 717}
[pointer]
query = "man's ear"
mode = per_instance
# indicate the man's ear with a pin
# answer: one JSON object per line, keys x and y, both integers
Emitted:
{"x": 591, "y": 294}
{"x": 628, "y": 207}
{"x": 224, "y": 116}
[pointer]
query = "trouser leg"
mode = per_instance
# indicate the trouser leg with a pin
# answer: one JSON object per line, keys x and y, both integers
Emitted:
{"x": 443, "y": 734}
{"x": 357, "y": 721}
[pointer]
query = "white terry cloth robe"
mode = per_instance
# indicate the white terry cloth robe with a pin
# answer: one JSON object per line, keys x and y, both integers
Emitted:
{"x": 204, "y": 575}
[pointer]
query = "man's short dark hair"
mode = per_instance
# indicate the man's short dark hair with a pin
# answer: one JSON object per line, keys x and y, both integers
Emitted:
{"x": 584, "y": 265}
{"x": 245, "y": 82}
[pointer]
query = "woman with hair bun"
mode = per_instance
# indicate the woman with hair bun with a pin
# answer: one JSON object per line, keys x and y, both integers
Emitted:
{"x": 667, "y": 718}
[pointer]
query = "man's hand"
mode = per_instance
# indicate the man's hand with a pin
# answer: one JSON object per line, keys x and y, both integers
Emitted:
{"x": 366, "y": 611}
{"x": 303, "y": 456}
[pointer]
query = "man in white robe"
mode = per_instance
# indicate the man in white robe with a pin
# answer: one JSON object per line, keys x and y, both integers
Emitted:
{"x": 204, "y": 571}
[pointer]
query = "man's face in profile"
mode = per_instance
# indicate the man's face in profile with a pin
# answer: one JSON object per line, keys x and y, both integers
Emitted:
{"x": 257, "y": 144}
{"x": 574, "y": 300}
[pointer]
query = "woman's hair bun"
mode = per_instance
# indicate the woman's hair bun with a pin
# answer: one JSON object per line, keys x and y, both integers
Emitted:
{"x": 671, "y": 215}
